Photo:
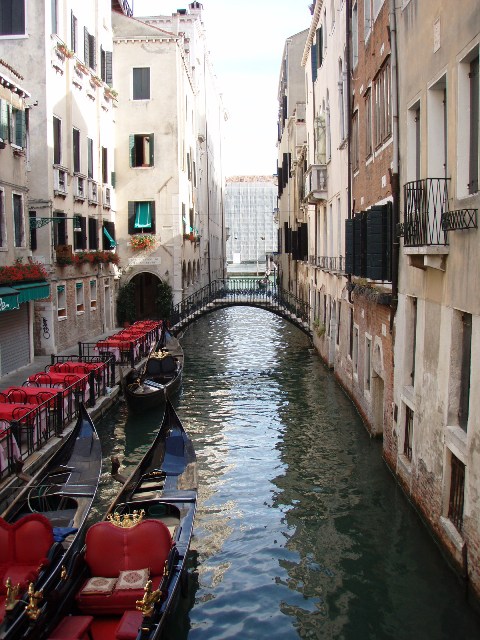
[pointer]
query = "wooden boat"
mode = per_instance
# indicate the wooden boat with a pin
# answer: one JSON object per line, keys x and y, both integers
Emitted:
{"x": 132, "y": 569}
{"x": 160, "y": 378}
{"x": 43, "y": 527}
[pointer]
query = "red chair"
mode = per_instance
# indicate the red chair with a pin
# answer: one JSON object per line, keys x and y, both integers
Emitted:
{"x": 17, "y": 395}
{"x": 3, "y": 398}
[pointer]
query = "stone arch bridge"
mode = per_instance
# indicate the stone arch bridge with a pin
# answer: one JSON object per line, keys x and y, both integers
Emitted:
{"x": 253, "y": 292}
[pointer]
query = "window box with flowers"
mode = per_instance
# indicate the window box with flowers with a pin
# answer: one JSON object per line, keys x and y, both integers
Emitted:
{"x": 23, "y": 272}
{"x": 142, "y": 241}
{"x": 88, "y": 257}
{"x": 81, "y": 67}
{"x": 110, "y": 94}
{"x": 95, "y": 80}
{"x": 63, "y": 50}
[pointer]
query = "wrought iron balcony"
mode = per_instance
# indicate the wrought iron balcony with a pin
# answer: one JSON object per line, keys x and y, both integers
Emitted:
{"x": 328, "y": 263}
{"x": 427, "y": 218}
{"x": 315, "y": 183}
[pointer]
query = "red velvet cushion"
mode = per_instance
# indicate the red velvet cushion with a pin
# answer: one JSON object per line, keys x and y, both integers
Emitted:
{"x": 111, "y": 549}
{"x": 71, "y": 627}
{"x": 129, "y": 625}
{"x": 21, "y": 574}
{"x": 116, "y": 602}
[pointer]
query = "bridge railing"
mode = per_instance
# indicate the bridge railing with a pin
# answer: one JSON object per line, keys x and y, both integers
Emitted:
{"x": 253, "y": 291}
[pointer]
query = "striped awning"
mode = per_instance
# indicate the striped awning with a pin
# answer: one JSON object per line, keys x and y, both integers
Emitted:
{"x": 11, "y": 298}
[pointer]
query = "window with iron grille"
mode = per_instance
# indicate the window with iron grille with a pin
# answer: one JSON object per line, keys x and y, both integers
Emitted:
{"x": 457, "y": 491}
{"x": 407, "y": 443}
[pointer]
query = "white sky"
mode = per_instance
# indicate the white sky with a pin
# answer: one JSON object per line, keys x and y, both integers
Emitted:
{"x": 246, "y": 40}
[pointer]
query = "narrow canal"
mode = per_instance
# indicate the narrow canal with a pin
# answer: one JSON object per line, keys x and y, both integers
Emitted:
{"x": 301, "y": 531}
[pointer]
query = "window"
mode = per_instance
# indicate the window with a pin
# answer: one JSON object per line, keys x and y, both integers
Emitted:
{"x": 73, "y": 33}
{"x": 61, "y": 302}
{"x": 12, "y": 17}
{"x": 19, "y": 229}
{"x": 4, "y": 121}
{"x": 368, "y": 360}
{"x": 367, "y": 18}
{"x": 17, "y": 128}
{"x": 383, "y": 116}
{"x": 76, "y": 150}
{"x": 141, "y": 150}
{"x": 79, "y": 233}
{"x": 104, "y": 165}
{"x": 93, "y": 294}
{"x": 355, "y": 350}
{"x": 90, "y": 158}
{"x": 141, "y": 217}
{"x": 355, "y": 153}
{"x": 54, "y": 6}
{"x": 141, "y": 83}
{"x": 57, "y": 140}
{"x": 106, "y": 66}
{"x": 89, "y": 50}
{"x": 354, "y": 36}
{"x": 368, "y": 124}
{"x": 3, "y": 229}
{"x": 408, "y": 436}
{"x": 79, "y": 297}
{"x": 474, "y": 117}
{"x": 59, "y": 229}
{"x": 457, "y": 492}
{"x": 32, "y": 215}
{"x": 108, "y": 235}
{"x": 465, "y": 367}
{"x": 410, "y": 340}
{"x": 93, "y": 234}
{"x": 339, "y": 324}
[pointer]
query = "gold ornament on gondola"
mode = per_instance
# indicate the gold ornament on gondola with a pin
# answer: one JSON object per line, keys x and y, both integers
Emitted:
{"x": 11, "y": 597}
{"x": 127, "y": 520}
{"x": 147, "y": 604}
{"x": 34, "y": 597}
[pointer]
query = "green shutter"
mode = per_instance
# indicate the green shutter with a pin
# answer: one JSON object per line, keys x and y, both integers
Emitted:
{"x": 4, "y": 120}
{"x": 131, "y": 217}
{"x": 131, "y": 149}
{"x": 152, "y": 149}
{"x": 20, "y": 128}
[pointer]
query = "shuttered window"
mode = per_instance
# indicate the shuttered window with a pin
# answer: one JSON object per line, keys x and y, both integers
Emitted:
{"x": 76, "y": 150}
{"x": 141, "y": 148}
{"x": 4, "y": 120}
{"x": 92, "y": 233}
{"x": 141, "y": 83}
{"x": 108, "y": 235}
{"x": 141, "y": 217}
{"x": 80, "y": 233}
{"x": 106, "y": 66}
{"x": 89, "y": 50}
{"x": 12, "y": 17}
{"x": 368, "y": 242}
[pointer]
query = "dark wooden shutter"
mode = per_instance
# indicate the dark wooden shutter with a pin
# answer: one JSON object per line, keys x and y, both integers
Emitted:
{"x": 313, "y": 59}
{"x": 152, "y": 151}
{"x": 93, "y": 233}
{"x": 20, "y": 128}
{"x": 295, "y": 245}
{"x": 131, "y": 217}
{"x": 359, "y": 245}
{"x": 474, "y": 111}
{"x": 108, "y": 68}
{"x": 319, "y": 47}
{"x": 152, "y": 214}
{"x": 86, "y": 46}
{"x": 379, "y": 243}
{"x": 349, "y": 246}
{"x": 285, "y": 233}
{"x": 303, "y": 242}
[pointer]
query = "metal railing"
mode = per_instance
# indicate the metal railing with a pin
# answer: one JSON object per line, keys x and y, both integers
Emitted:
{"x": 259, "y": 292}
{"x": 328, "y": 263}
{"x": 426, "y": 203}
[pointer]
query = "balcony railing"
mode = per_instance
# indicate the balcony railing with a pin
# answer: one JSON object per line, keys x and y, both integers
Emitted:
{"x": 427, "y": 215}
{"x": 315, "y": 183}
{"x": 328, "y": 263}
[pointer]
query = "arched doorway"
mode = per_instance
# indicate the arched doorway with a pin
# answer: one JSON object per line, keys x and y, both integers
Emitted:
{"x": 146, "y": 293}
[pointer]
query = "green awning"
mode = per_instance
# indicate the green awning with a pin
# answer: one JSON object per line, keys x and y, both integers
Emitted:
{"x": 32, "y": 291}
{"x": 8, "y": 299}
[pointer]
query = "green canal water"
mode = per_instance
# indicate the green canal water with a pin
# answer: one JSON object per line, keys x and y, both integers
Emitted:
{"x": 301, "y": 531}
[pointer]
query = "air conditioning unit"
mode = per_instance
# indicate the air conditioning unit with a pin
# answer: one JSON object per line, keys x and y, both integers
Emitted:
{"x": 80, "y": 187}
{"x": 60, "y": 186}
{"x": 106, "y": 196}
{"x": 92, "y": 192}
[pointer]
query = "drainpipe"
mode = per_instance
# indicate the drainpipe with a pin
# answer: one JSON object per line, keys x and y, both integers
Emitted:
{"x": 394, "y": 174}
{"x": 349, "y": 126}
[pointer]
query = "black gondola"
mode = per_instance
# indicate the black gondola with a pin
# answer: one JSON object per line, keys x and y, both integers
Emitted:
{"x": 160, "y": 378}
{"x": 132, "y": 568}
{"x": 42, "y": 528}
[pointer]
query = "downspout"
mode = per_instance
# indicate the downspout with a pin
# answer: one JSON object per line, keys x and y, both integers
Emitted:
{"x": 349, "y": 129}
{"x": 394, "y": 174}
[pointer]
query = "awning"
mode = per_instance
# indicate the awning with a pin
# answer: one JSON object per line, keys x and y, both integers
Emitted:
{"x": 32, "y": 291}
{"x": 8, "y": 299}
{"x": 11, "y": 298}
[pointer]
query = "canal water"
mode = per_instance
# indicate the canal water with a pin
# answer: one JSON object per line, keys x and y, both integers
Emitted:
{"x": 301, "y": 531}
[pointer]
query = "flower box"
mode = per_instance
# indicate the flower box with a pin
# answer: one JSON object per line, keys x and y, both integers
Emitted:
{"x": 23, "y": 272}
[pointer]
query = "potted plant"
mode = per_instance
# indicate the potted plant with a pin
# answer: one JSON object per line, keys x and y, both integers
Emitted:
{"x": 141, "y": 241}
{"x": 126, "y": 311}
{"x": 164, "y": 300}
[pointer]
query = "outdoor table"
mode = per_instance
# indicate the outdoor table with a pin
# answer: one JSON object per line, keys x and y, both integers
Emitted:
{"x": 75, "y": 366}
{"x": 117, "y": 347}
{"x": 25, "y": 414}
{"x": 4, "y": 432}
{"x": 56, "y": 379}
{"x": 31, "y": 395}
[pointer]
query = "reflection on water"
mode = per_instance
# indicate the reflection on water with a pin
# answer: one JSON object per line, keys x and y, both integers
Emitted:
{"x": 301, "y": 532}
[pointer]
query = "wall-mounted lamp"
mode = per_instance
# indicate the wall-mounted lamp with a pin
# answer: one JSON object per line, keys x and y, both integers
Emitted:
{"x": 38, "y": 223}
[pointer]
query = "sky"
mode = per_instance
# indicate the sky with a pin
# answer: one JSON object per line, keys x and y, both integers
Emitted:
{"x": 246, "y": 39}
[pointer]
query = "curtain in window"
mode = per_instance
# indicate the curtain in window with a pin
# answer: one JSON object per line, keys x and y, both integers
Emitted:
{"x": 143, "y": 215}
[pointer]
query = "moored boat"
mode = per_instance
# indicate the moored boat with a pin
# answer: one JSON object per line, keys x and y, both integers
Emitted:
{"x": 132, "y": 569}
{"x": 42, "y": 528}
{"x": 160, "y": 377}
